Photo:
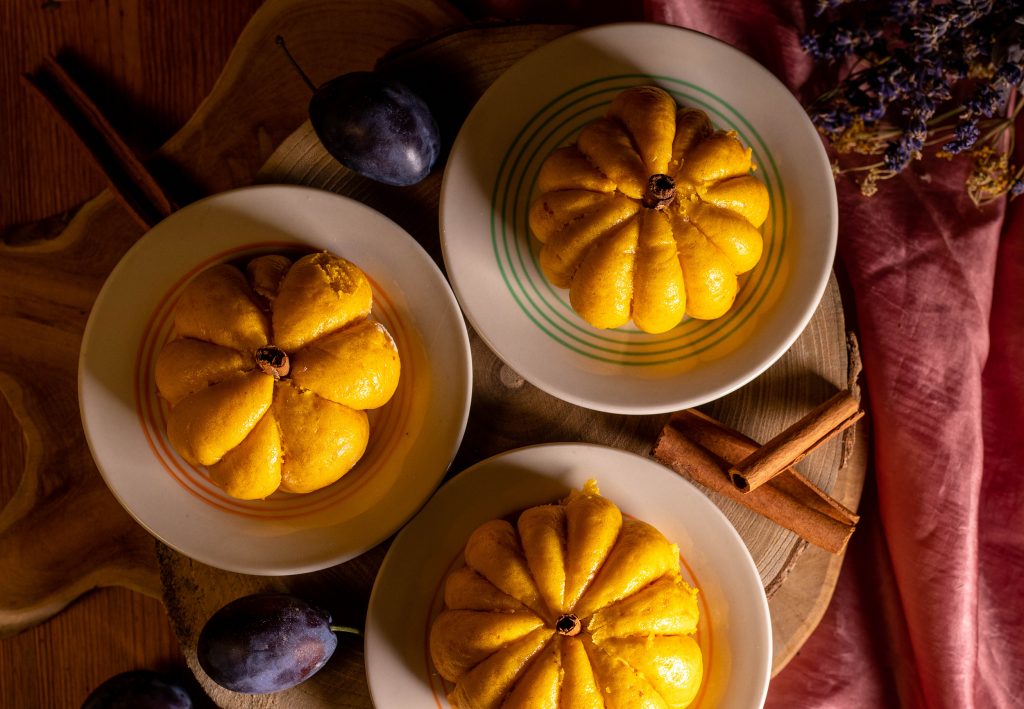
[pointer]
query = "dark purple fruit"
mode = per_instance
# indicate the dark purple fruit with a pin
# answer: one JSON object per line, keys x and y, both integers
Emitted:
{"x": 139, "y": 689}
{"x": 374, "y": 125}
{"x": 265, "y": 643}
{"x": 377, "y": 127}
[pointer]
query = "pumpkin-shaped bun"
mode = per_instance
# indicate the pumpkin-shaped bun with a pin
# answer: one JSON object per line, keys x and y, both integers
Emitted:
{"x": 574, "y": 606}
{"x": 269, "y": 373}
{"x": 650, "y": 215}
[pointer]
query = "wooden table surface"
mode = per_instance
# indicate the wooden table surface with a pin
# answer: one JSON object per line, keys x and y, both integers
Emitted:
{"x": 133, "y": 59}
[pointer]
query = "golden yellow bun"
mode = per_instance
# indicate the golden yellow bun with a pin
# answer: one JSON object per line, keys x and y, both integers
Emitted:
{"x": 259, "y": 427}
{"x": 573, "y": 606}
{"x": 627, "y": 252}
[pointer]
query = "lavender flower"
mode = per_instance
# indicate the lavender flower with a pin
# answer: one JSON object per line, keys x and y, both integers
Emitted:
{"x": 840, "y": 42}
{"x": 1009, "y": 74}
{"x": 965, "y": 134}
{"x": 921, "y": 75}
{"x": 985, "y": 101}
{"x": 897, "y": 156}
{"x": 931, "y": 28}
{"x": 824, "y": 5}
{"x": 904, "y": 10}
{"x": 917, "y": 128}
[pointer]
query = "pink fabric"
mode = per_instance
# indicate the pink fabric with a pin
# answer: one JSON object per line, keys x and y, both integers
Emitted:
{"x": 929, "y": 608}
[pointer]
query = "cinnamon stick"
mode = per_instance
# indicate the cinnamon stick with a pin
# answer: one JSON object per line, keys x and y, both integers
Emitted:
{"x": 793, "y": 444}
{"x": 129, "y": 179}
{"x": 702, "y": 449}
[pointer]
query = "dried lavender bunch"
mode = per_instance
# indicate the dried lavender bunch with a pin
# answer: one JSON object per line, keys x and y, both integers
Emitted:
{"x": 922, "y": 75}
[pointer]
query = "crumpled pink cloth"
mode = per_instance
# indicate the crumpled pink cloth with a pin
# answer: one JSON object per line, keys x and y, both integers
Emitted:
{"x": 929, "y": 607}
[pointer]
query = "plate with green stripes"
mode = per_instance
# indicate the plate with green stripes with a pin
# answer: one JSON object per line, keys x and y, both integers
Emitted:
{"x": 493, "y": 261}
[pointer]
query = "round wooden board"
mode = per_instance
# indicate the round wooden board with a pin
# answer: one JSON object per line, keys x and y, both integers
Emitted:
{"x": 508, "y": 412}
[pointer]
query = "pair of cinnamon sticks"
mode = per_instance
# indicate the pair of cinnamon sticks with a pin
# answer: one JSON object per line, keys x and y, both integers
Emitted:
{"x": 762, "y": 478}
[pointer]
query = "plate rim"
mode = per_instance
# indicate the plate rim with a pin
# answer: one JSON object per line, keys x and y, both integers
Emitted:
{"x": 480, "y": 468}
{"x": 462, "y": 366}
{"x": 550, "y": 385}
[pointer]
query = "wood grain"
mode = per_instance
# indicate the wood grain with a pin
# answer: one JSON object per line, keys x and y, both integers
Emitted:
{"x": 128, "y": 178}
{"x": 130, "y": 58}
{"x": 61, "y": 498}
{"x": 148, "y": 82}
{"x": 56, "y": 665}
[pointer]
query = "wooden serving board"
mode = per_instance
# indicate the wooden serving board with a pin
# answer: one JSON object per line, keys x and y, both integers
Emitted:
{"x": 259, "y": 105}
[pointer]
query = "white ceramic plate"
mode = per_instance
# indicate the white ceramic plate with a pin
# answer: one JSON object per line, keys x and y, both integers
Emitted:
{"x": 492, "y": 259}
{"x": 413, "y": 438}
{"x": 734, "y": 632}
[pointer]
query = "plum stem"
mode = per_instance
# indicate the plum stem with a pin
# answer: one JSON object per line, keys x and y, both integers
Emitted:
{"x": 661, "y": 189}
{"x": 273, "y": 361}
{"x": 568, "y": 624}
{"x": 345, "y": 629}
{"x": 305, "y": 77}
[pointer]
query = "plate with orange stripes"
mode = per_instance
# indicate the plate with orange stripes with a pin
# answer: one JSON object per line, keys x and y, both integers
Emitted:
{"x": 734, "y": 631}
{"x": 413, "y": 438}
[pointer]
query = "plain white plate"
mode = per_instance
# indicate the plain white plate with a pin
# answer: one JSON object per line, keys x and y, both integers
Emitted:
{"x": 413, "y": 438}
{"x": 492, "y": 260}
{"x": 735, "y": 629}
